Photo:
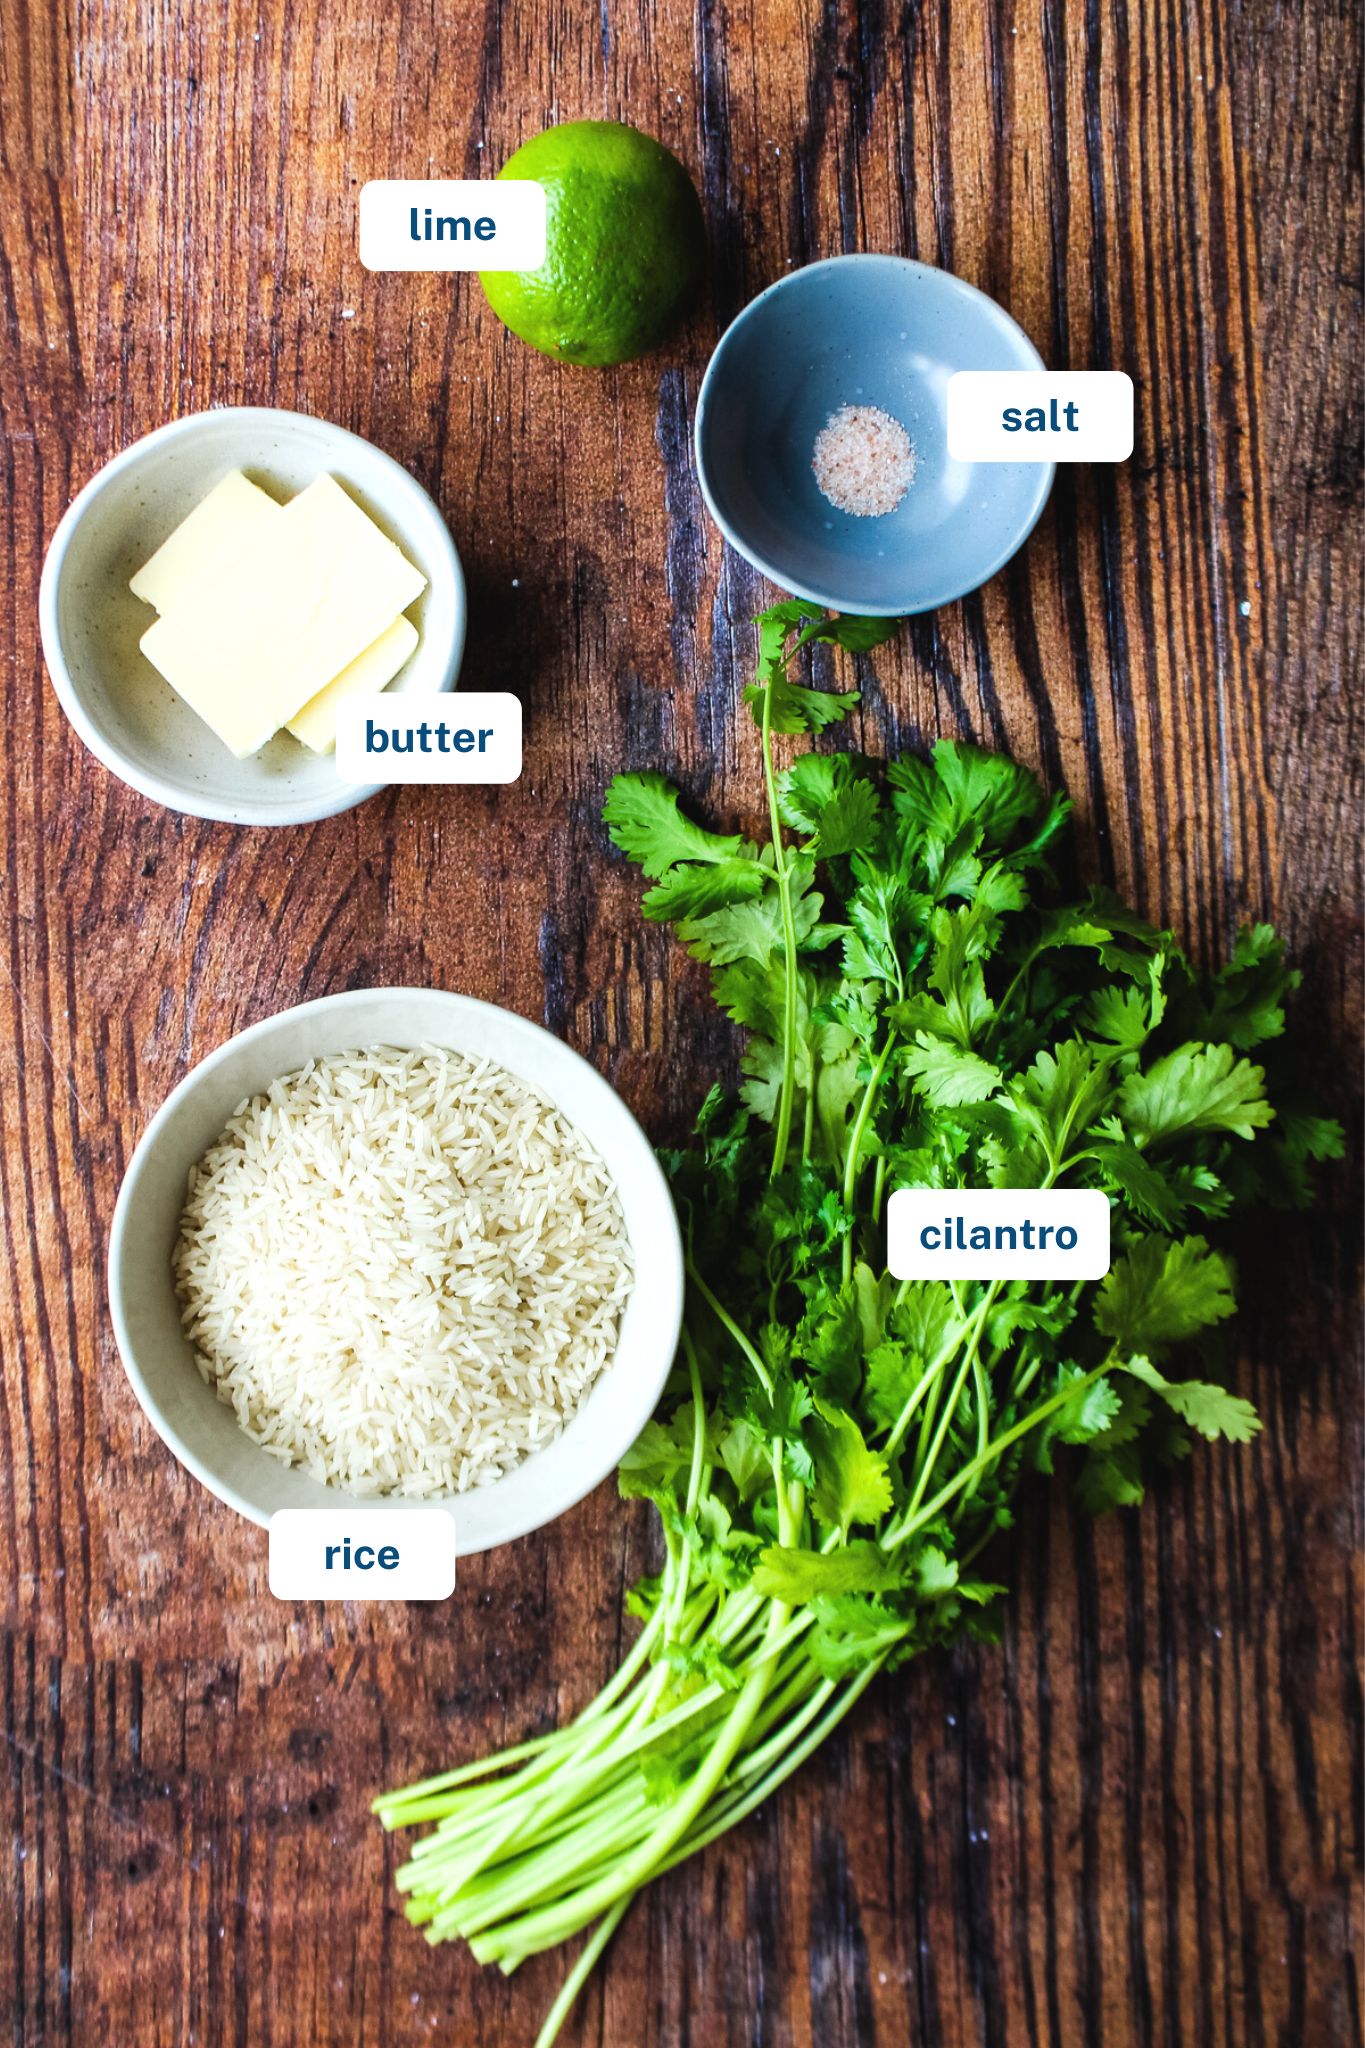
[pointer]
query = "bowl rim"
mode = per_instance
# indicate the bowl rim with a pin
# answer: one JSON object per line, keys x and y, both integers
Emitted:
{"x": 832, "y": 600}
{"x": 666, "y": 1254}
{"x": 148, "y": 783}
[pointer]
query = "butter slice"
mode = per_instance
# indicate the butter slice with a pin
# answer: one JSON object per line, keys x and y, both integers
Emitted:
{"x": 213, "y": 534}
{"x": 248, "y": 643}
{"x": 375, "y": 669}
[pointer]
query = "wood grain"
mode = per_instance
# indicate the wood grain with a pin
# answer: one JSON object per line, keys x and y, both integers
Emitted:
{"x": 1139, "y": 1820}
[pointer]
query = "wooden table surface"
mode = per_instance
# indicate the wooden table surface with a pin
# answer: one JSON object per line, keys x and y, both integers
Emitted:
{"x": 1138, "y": 1820}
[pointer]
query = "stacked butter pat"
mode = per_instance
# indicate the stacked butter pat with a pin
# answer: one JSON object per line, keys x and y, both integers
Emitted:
{"x": 270, "y": 614}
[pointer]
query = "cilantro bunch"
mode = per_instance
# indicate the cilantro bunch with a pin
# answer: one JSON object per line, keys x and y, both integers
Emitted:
{"x": 836, "y": 1450}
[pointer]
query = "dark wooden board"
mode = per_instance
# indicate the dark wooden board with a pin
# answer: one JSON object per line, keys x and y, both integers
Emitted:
{"x": 1138, "y": 1821}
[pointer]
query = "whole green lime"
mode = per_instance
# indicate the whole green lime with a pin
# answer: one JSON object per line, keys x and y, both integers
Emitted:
{"x": 625, "y": 245}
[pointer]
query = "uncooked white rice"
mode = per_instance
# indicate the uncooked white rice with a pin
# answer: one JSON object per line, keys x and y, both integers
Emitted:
{"x": 864, "y": 461}
{"x": 401, "y": 1269}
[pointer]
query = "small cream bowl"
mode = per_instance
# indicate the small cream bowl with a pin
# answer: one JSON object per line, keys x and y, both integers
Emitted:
{"x": 91, "y": 623}
{"x": 204, "y": 1433}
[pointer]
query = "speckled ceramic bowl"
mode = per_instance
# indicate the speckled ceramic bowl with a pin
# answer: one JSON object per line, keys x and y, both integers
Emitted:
{"x": 862, "y": 330}
{"x": 126, "y": 713}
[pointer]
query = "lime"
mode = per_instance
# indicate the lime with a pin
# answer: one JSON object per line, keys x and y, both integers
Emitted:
{"x": 625, "y": 246}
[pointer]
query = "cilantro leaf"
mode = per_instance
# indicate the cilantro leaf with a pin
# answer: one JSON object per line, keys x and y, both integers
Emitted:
{"x": 1196, "y": 1088}
{"x": 1061, "y": 1095}
{"x": 784, "y": 1411}
{"x": 851, "y": 1483}
{"x": 996, "y": 793}
{"x": 1133, "y": 1176}
{"x": 1048, "y": 1314}
{"x": 852, "y": 1628}
{"x": 932, "y": 1572}
{"x": 744, "y": 1454}
{"x": 831, "y": 1343}
{"x": 858, "y": 633}
{"x": 924, "y": 1317}
{"x": 850, "y": 629}
{"x": 849, "y": 823}
{"x": 961, "y": 939}
{"x": 809, "y": 785}
{"x": 946, "y": 1074}
{"x": 884, "y": 915}
{"x": 797, "y": 709}
{"x": 660, "y": 1453}
{"x": 795, "y": 1576}
{"x": 643, "y": 819}
{"x": 1162, "y": 1291}
{"x": 1071, "y": 926}
{"x": 966, "y": 789}
{"x": 707, "y": 1661}
{"x": 694, "y": 891}
{"x": 751, "y": 929}
{"x": 1089, "y": 1410}
{"x": 874, "y": 1294}
{"x": 1300, "y": 1141}
{"x": 1246, "y": 997}
{"x": 893, "y": 1373}
{"x": 1120, "y": 1016}
{"x": 1212, "y": 1410}
{"x": 1110, "y": 1479}
{"x": 778, "y": 621}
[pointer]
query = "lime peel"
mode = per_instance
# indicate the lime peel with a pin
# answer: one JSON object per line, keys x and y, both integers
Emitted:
{"x": 625, "y": 245}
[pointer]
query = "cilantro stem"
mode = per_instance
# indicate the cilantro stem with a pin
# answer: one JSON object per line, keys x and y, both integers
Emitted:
{"x": 698, "y": 1422}
{"x": 995, "y": 1450}
{"x": 724, "y": 1317}
{"x": 431, "y": 1798}
{"x": 541, "y": 1929}
{"x": 983, "y": 1412}
{"x": 782, "y": 1133}
{"x": 791, "y": 1762}
{"x": 932, "y": 1374}
{"x": 929, "y": 1460}
{"x": 581, "y": 1971}
{"x": 855, "y": 1145}
{"x": 1021, "y": 975}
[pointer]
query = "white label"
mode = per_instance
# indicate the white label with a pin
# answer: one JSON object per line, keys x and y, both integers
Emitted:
{"x": 452, "y": 224}
{"x": 462, "y": 736}
{"x": 362, "y": 1554}
{"x": 1040, "y": 416}
{"x": 997, "y": 1234}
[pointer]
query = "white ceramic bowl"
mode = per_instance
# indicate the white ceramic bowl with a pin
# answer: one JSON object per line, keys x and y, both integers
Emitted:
{"x": 91, "y": 623}
{"x": 204, "y": 1433}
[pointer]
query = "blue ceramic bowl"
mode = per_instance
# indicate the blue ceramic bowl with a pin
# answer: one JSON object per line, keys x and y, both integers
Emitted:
{"x": 862, "y": 330}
